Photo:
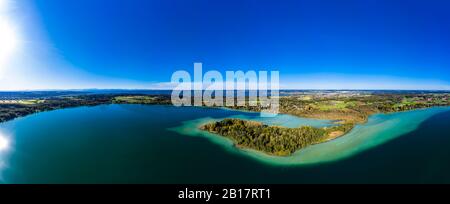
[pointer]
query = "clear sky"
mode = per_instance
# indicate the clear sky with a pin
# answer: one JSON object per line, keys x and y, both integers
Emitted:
{"x": 315, "y": 44}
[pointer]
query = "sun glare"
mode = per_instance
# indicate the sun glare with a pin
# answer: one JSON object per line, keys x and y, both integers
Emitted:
{"x": 4, "y": 143}
{"x": 8, "y": 36}
{"x": 8, "y": 40}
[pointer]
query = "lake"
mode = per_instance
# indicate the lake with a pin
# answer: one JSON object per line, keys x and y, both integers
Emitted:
{"x": 161, "y": 144}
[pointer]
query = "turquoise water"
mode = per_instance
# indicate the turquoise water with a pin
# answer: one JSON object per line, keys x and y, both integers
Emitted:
{"x": 379, "y": 129}
{"x": 161, "y": 144}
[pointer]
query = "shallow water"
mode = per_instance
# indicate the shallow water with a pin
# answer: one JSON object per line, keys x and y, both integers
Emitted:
{"x": 379, "y": 129}
{"x": 148, "y": 144}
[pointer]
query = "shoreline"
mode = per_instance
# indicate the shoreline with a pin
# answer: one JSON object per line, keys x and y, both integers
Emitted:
{"x": 316, "y": 153}
{"x": 328, "y": 138}
{"x": 380, "y": 128}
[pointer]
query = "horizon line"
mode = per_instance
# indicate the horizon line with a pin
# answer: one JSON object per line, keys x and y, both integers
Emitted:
{"x": 284, "y": 89}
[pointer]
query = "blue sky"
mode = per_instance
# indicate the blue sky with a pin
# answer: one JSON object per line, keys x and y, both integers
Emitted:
{"x": 319, "y": 44}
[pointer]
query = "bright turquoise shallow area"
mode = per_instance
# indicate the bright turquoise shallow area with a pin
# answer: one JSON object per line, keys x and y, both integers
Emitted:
{"x": 161, "y": 144}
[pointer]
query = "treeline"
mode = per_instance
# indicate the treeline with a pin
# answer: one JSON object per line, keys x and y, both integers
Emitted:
{"x": 406, "y": 107}
{"x": 142, "y": 99}
{"x": 403, "y": 102}
{"x": 11, "y": 111}
{"x": 280, "y": 141}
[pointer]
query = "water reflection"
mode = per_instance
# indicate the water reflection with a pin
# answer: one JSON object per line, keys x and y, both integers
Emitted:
{"x": 5, "y": 147}
{"x": 4, "y": 142}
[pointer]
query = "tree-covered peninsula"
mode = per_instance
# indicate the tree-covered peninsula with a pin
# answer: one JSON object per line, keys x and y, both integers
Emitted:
{"x": 280, "y": 141}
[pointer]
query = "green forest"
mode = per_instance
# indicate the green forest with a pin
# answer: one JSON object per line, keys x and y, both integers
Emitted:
{"x": 275, "y": 140}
